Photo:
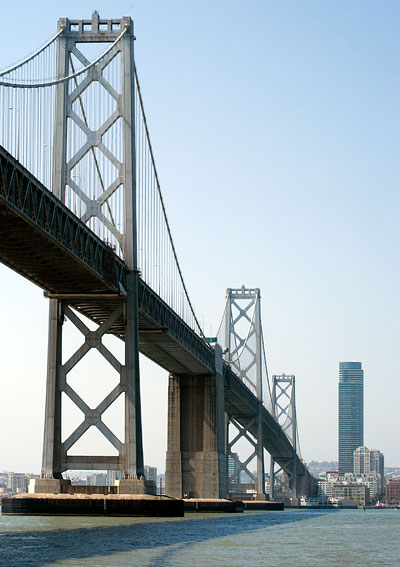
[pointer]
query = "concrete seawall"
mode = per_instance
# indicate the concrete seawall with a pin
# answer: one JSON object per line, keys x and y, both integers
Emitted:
{"x": 92, "y": 505}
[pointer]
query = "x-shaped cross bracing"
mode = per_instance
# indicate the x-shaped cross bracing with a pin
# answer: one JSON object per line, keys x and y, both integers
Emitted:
{"x": 243, "y": 432}
{"x": 283, "y": 405}
{"x": 242, "y": 344}
{"x": 94, "y": 139}
{"x": 92, "y": 416}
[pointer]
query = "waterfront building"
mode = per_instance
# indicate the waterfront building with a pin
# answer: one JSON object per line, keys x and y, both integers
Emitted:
{"x": 357, "y": 492}
{"x": 372, "y": 480}
{"x": 325, "y": 488}
{"x": 326, "y": 482}
{"x": 327, "y": 485}
{"x": 17, "y": 482}
{"x": 392, "y": 491}
{"x": 351, "y": 413}
{"x": 369, "y": 462}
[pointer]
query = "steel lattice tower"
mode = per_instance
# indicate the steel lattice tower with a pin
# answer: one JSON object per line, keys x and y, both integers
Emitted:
{"x": 284, "y": 409}
{"x": 244, "y": 354}
{"x": 74, "y": 122}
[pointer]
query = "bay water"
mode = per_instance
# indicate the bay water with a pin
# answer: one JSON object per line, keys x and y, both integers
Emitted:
{"x": 296, "y": 538}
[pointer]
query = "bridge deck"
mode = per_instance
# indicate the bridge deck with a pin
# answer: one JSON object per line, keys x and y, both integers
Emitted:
{"x": 46, "y": 243}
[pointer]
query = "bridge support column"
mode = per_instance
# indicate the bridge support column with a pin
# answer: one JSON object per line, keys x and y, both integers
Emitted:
{"x": 51, "y": 463}
{"x": 196, "y": 460}
{"x": 132, "y": 462}
{"x": 302, "y": 486}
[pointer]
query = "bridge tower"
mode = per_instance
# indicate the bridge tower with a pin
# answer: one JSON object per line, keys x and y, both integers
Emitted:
{"x": 243, "y": 347}
{"x": 284, "y": 409}
{"x": 88, "y": 134}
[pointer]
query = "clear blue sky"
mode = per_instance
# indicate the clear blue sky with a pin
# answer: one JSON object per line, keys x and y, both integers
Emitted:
{"x": 275, "y": 127}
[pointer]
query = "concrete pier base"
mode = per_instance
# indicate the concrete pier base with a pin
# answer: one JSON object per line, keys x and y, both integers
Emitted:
{"x": 221, "y": 505}
{"x": 196, "y": 459}
{"x": 49, "y": 486}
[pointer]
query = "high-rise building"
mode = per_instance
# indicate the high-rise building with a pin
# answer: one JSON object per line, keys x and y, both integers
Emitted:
{"x": 96, "y": 479}
{"x": 150, "y": 473}
{"x": 370, "y": 462}
{"x": 378, "y": 464}
{"x": 112, "y": 476}
{"x": 366, "y": 461}
{"x": 17, "y": 482}
{"x": 362, "y": 460}
{"x": 351, "y": 413}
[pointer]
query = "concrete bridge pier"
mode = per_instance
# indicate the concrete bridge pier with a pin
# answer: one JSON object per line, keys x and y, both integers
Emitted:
{"x": 302, "y": 485}
{"x": 307, "y": 484}
{"x": 196, "y": 459}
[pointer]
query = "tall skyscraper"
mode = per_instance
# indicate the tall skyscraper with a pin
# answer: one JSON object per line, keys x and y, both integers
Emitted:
{"x": 351, "y": 413}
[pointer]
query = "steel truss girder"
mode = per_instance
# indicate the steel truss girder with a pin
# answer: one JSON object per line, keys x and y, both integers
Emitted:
{"x": 29, "y": 199}
{"x": 158, "y": 312}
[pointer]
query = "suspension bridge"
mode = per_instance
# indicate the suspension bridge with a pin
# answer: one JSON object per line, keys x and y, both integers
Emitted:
{"x": 82, "y": 216}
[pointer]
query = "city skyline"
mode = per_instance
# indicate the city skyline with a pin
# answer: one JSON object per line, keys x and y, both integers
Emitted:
{"x": 275, "y": 132}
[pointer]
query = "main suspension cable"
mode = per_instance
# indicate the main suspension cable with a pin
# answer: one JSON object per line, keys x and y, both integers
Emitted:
{"x": 53, "y": 82}
{"x": 162, "y": 202}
